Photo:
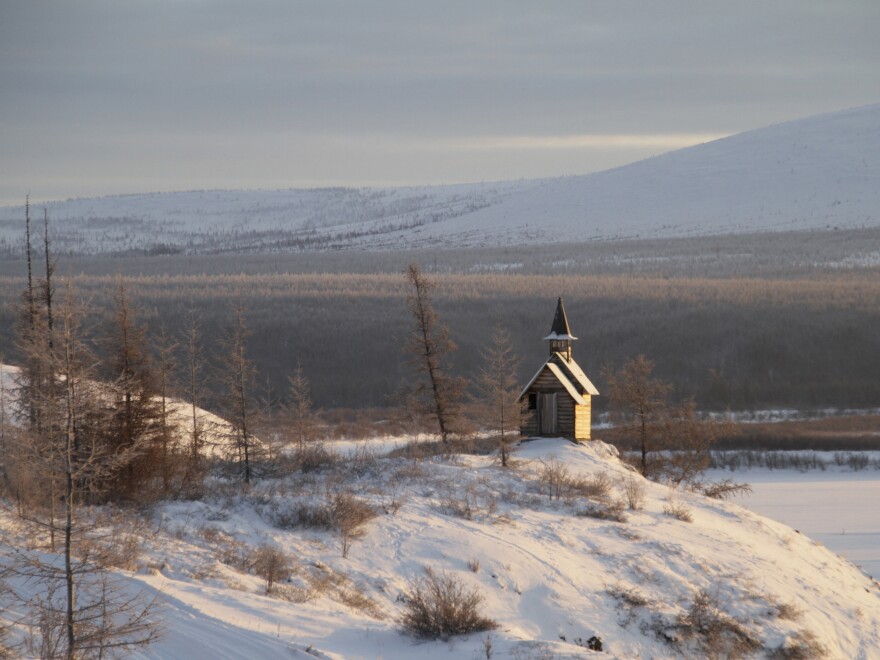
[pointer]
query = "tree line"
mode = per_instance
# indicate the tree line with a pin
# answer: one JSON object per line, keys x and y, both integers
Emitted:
{"x": 750, "y": 343}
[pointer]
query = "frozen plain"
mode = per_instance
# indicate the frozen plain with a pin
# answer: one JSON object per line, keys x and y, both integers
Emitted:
{"x": 839, "y": 509}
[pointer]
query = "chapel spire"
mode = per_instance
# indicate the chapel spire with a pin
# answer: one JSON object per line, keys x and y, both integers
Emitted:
{"x": 560, "y": 336}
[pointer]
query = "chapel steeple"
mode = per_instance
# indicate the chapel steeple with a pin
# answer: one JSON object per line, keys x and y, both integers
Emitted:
{"x": 560, "y": 336}
{"x": 557, "y": 402}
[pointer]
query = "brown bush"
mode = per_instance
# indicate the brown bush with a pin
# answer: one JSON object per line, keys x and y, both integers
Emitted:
{"x": 633, "y": 490}
{"x": 439, "y": 606}
{"x": 718, "y": 634}
{"x": 272, "y": 564}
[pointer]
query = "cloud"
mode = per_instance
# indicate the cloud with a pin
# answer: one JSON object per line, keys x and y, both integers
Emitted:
{"x": 95, "y": 85}
{"x": 586, "y": 141}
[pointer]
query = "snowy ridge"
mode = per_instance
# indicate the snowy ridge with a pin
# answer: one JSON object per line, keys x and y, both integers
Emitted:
{"x": 549, "y": 576}
{"x": 814, "y": 173}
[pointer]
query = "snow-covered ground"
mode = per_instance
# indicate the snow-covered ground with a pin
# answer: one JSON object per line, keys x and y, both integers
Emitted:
{"x": 550, "y": 575}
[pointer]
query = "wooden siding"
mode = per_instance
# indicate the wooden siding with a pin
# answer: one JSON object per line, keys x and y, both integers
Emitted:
{"x": 564, "y": 415}
{"x": 546, "y": 382}
{"x": 572, "y": 421}
{"x": 582, "y": 420}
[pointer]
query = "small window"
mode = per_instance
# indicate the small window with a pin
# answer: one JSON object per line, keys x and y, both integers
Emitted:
{"x": 533, "y": 401}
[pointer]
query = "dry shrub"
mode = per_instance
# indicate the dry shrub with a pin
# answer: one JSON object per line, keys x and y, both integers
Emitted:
{"x": 553, "y": 478}
{"x": 292, "y": 515}
{"x": 362, "y": 460}
{"x": 350, "y": 514}
{"x": 718, "y": 635}
{"x": 342, "y": 512}
{"x": 629, "y": 596}
{"x": 314, "y": 456}
{"x": 356, "y": 599}
{"x": 788, "y": 611}
{"x": 474, "y": 565}
{"x": 235, "y": 553}
{"x": 723, "y": 490}
{"x": 679, "y": 511}
{"x": 115, "y": 541}
{"x": 409, "y": 471}
{"x": 324, "y": 580}
{"x": 629, "y": 601}
{"x": 439, "y": 606}
{"x": 418, "y": 449}
{"x": 633, "y": 490}
{"x": 272, "y": 564}
{"x": 467, "y": 502}
{"x": 293, "y": 594}
{"x": 611, "y": 511}
{"x": 802, "y": 645}
{"x": 595, "y": 487}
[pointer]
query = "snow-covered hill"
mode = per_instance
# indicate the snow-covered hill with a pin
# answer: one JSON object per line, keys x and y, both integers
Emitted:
{"x": 813, "y": 173}
{"x": 551, "y": 576}
{"x": 549, "y": 544}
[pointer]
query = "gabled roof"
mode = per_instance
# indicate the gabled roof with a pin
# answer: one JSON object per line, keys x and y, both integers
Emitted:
{"x": 569, "y": 374}
{"x": 560, "y": 329}
{"x": 575, "y": 370}
{"x": 569, "y": 386}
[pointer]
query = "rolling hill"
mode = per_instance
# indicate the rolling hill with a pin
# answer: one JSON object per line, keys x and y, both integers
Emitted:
{"x": 814, "y": 173}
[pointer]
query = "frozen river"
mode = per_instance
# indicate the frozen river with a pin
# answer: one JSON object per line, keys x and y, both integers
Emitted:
{"x": 840, "y": 510}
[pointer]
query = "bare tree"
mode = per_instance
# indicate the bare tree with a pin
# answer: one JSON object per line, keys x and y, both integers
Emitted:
{"x": 497, "y": 385}
{"x": 673, "y": 442}
{"x": 165, "y": 347}
{"x": 687, "y": 441}
{"x": 238, "y": 375}
{"x": 80, "y": 611}
{"x": 431, "y": 350}
{"x": 134, "y": 425}
{"x": 195, "y": 367}
{"x": 640, "y": 403}
{"x": 272, "y": 564}
{"x": 301, "y": 418}
{"x": 29, "y": 292}
{"x": 48, "y": 289}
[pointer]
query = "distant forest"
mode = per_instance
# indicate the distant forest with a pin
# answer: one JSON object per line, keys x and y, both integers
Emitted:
{"x": 740, "y": 322}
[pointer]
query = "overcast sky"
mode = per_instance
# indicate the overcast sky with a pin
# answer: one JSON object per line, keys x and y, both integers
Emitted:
{"x": 117, "y": 96}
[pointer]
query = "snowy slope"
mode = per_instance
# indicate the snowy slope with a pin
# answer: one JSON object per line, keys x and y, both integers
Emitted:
{"x": 550, "y": 577}
{"x": 211, "y": 221}
{"x": 818, "y": 172}
{"x": 546, "y": 573}
{"x": 812, "y": 173}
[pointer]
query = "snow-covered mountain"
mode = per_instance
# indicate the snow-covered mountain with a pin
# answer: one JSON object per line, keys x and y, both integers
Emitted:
{"x": 813, "y": 173}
